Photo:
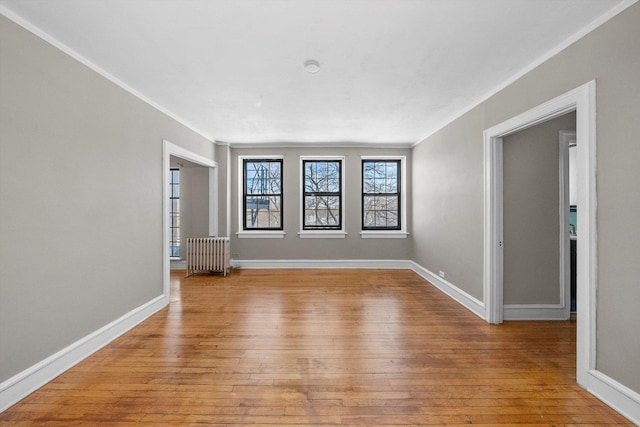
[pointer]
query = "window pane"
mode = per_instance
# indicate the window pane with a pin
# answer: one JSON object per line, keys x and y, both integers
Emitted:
{"x": 249, "y": 185}
{"x": 263, "y": 194}
{"x": 260, "y": 212}
{"x": 322, "y": 211}
{"x": 275, "y": 184}
{"x": 369, "y": 218}
{"x": 174, "y": 212}
{"x": 379, "y": 169}
{"x": 392, "y": 170}
{"x": 333, "y": 185}
{"x": 368, "y": 202}
{"x": 392, "y": 203}
{"x": 381, "y": 198}
{"x": 390, "y": 185}
{"x": 322, "y": 194}
{"x": 317, "y": 175}
{"x": 333, "y": 169}
{"x": 309, "y": 170}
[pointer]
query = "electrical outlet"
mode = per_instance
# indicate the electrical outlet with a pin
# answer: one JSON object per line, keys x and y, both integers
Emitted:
{"x": 441, "y": 274}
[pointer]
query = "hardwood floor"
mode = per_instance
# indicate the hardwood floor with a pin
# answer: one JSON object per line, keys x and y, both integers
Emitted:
{"x": 316, "y": 347}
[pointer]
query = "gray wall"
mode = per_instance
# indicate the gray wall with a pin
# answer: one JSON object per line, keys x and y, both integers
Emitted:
{"x": 531, "y": 216}
{"x": 80, "y": 199}
{"x": 447, "y": 203}
{"x": 198, "y": 196}
{"x": 292, "y": 247}
{"x": 448, "y": 177}
{"x": 81, "y": 193}
{"x": 222, "y": 152}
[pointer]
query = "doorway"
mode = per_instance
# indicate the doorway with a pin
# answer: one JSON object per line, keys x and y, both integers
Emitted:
{"x": 188, "y": 207}
{"x": 171, "y": 150}
{"x": 582, "y": 101}
{"x": 536, "y": 268}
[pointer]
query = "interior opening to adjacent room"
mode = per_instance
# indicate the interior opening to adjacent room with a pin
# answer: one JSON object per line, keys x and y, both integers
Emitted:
{"x": 172, "y": 150}
{"x": 582, "y": 101}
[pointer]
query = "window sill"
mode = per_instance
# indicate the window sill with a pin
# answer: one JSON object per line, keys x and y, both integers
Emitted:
{"x": 370, "y": 234}
{"x": 328, "y": 234}
{"x": 260, "y": 234}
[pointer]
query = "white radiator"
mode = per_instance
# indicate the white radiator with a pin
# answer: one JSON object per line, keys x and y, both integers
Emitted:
{"x": 208, "y": 254}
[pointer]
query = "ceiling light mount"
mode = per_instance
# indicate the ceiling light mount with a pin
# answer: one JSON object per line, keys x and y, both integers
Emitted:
{"x": 311, "y": 66}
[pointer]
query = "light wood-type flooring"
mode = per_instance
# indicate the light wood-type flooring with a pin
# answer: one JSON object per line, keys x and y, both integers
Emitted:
{"x": 321, "y": 347}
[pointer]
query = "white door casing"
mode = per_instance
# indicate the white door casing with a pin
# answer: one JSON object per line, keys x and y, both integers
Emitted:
{"x": 582, "y": 100}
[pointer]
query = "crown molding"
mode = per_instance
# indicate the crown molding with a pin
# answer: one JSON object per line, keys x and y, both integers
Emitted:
{"x": 84, "y": 61}
{"x": 320, "y": 144}
{"x": 620, "y": 7}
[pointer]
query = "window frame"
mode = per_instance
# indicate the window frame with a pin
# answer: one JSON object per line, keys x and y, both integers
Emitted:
{"x": 399, "y": 232}
{"x": 337, "y": 231}
{"x": 174, "y": 216}
{"x": 397, "y": 194}
{"x": 258, "y": 232}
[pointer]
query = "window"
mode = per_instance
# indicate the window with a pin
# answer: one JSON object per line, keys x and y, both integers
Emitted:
{"x": 322, "y": 194}
{"x": 262, "y": 194}
{"x": 381, "y": 196}
{"x": 174, "y": 213}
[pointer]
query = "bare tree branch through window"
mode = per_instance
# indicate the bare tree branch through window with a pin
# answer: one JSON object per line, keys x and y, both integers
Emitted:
{"x": 322, "y": 198}
{"x": 262, "y": 194}
{"x": 381, "y": 195}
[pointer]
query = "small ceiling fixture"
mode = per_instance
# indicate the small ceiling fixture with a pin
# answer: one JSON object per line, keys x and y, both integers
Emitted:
{"x": 312, "y": 66}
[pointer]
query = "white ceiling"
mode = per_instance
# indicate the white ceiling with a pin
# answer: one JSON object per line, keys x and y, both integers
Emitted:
{"x": 392, "y": 71}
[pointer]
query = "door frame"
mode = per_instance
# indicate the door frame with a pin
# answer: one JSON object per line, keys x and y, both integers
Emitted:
{"x": 583, "y": 101}
{"x": 566, "y": 139}
{"x": 169, "y": 149}
{"x": 562, "y": 309}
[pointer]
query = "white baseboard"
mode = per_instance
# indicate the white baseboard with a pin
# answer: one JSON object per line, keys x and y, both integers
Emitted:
{"x": 618, "y": 396}
{"x": 535, "y": 312}
{"x": 178, "y": 265}
{"x": 321, "y": 263}
{"x": 473, "y": 304}
{"x": 26, "y": 382}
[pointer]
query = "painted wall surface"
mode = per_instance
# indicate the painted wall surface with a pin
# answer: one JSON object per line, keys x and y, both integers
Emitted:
{"x": 531, "y": 217}
{"x": 81, "y": 199}
{"x": 448, "y": 177}
{"x": 447, "y": 204}
{"x": 199, "y": 202}
{"x": 222, "y": 154}
{"x": 292, "y": 247}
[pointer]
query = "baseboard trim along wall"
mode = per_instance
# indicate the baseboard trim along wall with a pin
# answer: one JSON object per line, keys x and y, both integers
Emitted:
{"x": 178, "y": 265}
{"x": 621, "y": 398}
{"x": 471, "y": 303}
{"x": 535, "y": 312}
{"x": 320, "y": 263}
{"x": 26, "y": 382}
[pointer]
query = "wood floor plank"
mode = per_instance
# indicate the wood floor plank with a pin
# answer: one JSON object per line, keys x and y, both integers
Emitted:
{"x": 321, "y": 347}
